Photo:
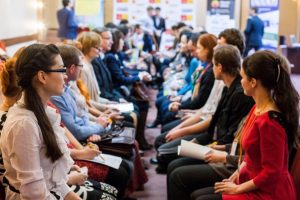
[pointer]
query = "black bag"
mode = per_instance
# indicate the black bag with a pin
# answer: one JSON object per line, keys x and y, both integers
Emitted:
{"x": 118, "y": 141}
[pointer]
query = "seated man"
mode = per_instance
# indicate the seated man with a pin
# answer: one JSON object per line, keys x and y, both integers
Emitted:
{"x": 76, "y": 120}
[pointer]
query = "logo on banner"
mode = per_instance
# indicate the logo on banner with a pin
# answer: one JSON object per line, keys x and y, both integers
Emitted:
{"x": 122, "y": 16}
{"x": 122, "y": 1}
{"x": 215, "y": 4}
{"x": 186, "y": 1}
{"x": 154, "y": 1}
{"x": 186, "y": 17}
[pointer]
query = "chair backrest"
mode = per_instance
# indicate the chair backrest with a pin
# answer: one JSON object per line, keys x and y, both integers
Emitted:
{"x": 295, "y": 172}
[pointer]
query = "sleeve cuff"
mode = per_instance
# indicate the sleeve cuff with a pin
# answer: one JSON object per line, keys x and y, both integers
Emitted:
{"x": 64, "y": 190}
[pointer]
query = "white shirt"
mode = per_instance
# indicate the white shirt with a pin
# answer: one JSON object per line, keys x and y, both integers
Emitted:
{"x": 27, "y": 167}
{"x": 213, "y": 100}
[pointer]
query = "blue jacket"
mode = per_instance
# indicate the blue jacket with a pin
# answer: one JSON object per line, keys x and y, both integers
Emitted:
{"x": 80, "y": 126}
{"x": 254, "y": 31}
{"x": 188, "y": 78}
{"x": 67, "y": 24}
{"x": 114, "y": 65}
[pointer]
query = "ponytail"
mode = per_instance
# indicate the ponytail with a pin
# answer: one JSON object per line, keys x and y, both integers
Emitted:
{"x": 34, "y": 58}
{"x": 286, "y": 98}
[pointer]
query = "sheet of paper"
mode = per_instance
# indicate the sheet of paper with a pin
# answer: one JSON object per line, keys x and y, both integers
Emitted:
{"x": 123, "y": 107}
{"x": 108, "y": 160}
{"x": 197, "y": 151}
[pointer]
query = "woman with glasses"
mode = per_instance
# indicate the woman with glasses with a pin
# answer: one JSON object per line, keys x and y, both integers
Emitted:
{"x": 90, "y": 47}
{"x": 86, "y": 189}
{"x": 35, "y": 156}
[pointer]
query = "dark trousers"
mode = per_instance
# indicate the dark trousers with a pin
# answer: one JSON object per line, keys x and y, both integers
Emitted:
{"x": 160, "y": 144}
{"x": 119, "y": 178}
{"x": 169, "y": 126}
{"x": 206, "y": 194}
{"x": 186, "y": 175}
{"x": 249, "y": 48}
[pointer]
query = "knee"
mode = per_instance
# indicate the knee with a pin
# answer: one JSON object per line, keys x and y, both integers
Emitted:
{"x": 160, "y": 140}
{"x": 175, "y": 180}
{"x": 172, "y": 166}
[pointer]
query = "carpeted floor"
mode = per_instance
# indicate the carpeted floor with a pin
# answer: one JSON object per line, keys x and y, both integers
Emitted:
{"x": 155, "y": 188}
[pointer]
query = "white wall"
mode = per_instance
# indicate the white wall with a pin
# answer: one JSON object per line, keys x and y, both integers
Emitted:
{"x": 11, "y": 50}
{"x": 18, "y": 18}
{"x": 50, "y": 9}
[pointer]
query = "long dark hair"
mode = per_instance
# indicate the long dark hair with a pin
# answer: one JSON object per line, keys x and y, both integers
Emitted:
{"x": 117, "y": 36}
{"x": 34, "y": 58}
{"x": 272, "y": 70}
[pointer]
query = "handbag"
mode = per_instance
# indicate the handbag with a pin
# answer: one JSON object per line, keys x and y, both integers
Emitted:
{"x": 118, "y": 140}
{"x": 138, "y": 90}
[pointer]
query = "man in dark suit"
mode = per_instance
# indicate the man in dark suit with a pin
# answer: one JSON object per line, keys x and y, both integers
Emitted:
{"x": 254, "y": 32}
{"x": 66, "y": 20}
{"x": 102, "y": 73}
{"x": 159, "y": 25}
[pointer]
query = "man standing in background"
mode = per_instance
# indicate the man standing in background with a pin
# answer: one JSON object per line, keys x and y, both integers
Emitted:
{"x": 159, "y": 25}
{"x": 66, "y": 20}
{"x": 254, "y": 32}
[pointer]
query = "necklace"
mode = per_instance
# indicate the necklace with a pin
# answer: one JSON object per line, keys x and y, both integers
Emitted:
{"x": 263, "y": 108}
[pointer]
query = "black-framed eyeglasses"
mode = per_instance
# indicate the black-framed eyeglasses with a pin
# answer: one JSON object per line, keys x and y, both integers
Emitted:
{"x": 80, "y": 65}
{"x": 61, "y": 70}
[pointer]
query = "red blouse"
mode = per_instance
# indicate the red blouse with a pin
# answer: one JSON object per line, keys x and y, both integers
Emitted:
{"x": 266, "y": 157}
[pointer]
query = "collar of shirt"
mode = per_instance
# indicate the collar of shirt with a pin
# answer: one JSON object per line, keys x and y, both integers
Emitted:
{"x": 102, "y": 55}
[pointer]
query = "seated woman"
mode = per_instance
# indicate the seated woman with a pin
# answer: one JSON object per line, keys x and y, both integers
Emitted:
{"x": 270, "y": 130}
{"x": 47, "y": 169}
{"x": 122, "y": 78}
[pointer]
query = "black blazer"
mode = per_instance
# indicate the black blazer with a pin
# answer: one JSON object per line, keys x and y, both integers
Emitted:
{"x": 118, "y": 77}
{"x": 161, "y": 25}
{"x": 232, "y": 108}
{"x": 104, "y": 80}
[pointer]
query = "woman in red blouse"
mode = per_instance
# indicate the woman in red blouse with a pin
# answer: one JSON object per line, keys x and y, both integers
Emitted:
{"x": 270, "y": 129}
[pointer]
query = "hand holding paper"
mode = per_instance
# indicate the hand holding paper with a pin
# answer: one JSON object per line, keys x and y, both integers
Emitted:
{"x": 197, "y": 151}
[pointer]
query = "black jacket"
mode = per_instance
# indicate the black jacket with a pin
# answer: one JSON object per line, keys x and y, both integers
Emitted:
{"x": 104, "y": 80}
{"x": 232, "y": 108}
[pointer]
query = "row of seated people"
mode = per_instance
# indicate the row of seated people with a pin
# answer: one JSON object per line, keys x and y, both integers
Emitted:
{"x": 94, "y": 76}
{"x": 224, "y": 94}
{"x": 84, "y": 114}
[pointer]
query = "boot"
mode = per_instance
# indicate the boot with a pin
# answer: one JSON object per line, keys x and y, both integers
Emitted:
{"x": 140, "y": 136}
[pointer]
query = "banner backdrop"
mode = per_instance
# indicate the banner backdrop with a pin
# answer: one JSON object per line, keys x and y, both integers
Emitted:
{"x": 268, "y": 11}
{"x": 172, "y": 10}
{"x": 220, "y": 15}
{"x": 90, "y": 12}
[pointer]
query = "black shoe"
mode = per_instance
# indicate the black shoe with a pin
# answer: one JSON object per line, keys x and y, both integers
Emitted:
{"x": 146, "y": 146}
{"x": 161, "y": 169}
{"x": 153, "y": 124}
{"x": 141, "y": 152}
{"x": 153, "y": 161}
